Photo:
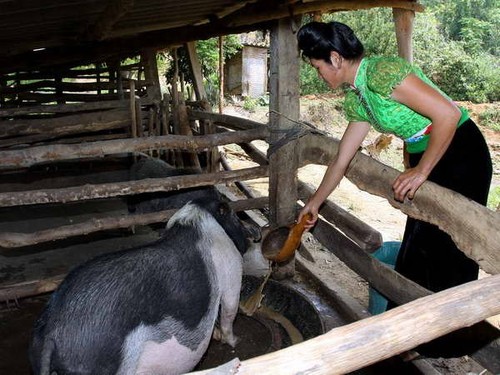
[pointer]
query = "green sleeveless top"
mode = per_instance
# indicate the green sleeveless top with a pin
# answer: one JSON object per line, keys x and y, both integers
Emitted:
{"x": 370, "y": 101}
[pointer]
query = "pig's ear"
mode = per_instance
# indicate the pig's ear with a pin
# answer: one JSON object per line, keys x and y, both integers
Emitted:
{"x": 224, "y": 209}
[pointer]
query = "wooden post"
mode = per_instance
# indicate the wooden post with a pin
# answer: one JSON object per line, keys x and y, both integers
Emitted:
{"x": 284, "y": 108}
{"x": 133, "y": 115}
{"x": 221, "y": 73}
{"x": 195, "y": 65}
{"x": 206, "y": 127}
{"x": 403, "y": 22}
{"x": 148, "y": 59}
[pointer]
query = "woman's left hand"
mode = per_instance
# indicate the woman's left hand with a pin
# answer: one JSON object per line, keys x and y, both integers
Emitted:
{"x": 408, "y": 183}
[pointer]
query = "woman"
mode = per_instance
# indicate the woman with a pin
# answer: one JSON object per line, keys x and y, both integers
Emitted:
{"x": 442, "y": 144}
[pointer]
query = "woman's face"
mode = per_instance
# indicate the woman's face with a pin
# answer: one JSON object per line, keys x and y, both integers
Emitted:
{"x": 328, "y": 72}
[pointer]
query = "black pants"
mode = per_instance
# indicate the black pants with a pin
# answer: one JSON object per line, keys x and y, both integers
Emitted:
{"x": 429, "y": 256}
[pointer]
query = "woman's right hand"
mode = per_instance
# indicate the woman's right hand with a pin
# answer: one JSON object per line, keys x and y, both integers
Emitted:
{"x": 310, "y": 208}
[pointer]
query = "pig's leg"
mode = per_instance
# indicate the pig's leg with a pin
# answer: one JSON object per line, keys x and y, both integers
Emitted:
{"x": 229, "y": 309}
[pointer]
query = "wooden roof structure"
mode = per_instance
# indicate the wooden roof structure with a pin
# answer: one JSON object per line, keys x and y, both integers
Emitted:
{"x": 36, "y": 34}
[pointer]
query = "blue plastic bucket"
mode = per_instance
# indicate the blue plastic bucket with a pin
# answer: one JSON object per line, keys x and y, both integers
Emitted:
{"x": 387, "y": 254}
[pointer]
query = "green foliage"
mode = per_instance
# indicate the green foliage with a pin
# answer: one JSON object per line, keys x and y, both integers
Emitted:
{"x": 460, "y": 67}
{"x": 461, "y": 75}
{"x": 490, "y": 118}
{"x": 249, "y": 104}
{"x": 473, "y": 22}
{"x": 374, "y": 27}
{"x": 208, "y": 53}
{"x": 310, "y": 83}
{"x": 494, "y": 198}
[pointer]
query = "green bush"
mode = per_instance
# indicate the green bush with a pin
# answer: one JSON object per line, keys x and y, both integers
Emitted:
{"x": 249, "y": 104}
{"x": 310, "y": 82}
{"x": 463, "y": 72}
{"x": 490, "y": 118}
{"x": 494, "y": 198}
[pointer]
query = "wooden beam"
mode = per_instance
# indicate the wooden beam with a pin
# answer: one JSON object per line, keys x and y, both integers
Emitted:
{"x": 387, "y": 281}
{"x": 86, "y": 53}
{"x": 17, "y": 239}
{"x": 400, "y": 289}
{"x": 72, "y": 124}
{"x": 357, "y": 230}
{"x": 40, "y": 154}
{"x": 251, "y": 17}
{"x": 148, "y": 61}
{"x": 477, "y": 234}
{"x": 352, "y": 310}
{"x": 348, "y": 348}
{"x": 108, "y": 190}
{"x": 260, "y": 12}
{"x": 63, "y": 108}
{"x": 232, "y": 122}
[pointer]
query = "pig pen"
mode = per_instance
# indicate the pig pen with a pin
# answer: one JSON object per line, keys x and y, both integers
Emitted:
{"x": 77, "y": 210}
{"x": 299, "y": 303}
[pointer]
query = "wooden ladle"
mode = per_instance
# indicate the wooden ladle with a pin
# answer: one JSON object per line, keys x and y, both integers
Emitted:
{"x": 280, "y": 244}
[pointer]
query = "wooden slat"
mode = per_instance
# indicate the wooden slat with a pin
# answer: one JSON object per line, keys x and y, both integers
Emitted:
{"x": 232, "y": 122}
{"x": 40, "y": 154}
{"x": 108, "y": 190}
{"x": 17, "y": 239}
{"x": 357, "y": 230}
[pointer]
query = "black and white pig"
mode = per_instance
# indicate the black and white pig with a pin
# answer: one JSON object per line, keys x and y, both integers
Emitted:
{"x": 151, "y": 309}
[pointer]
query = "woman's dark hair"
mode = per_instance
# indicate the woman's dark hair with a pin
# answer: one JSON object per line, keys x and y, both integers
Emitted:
{"x": 318, "y": 39}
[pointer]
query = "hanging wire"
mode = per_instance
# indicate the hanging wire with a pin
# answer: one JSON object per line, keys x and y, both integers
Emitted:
{"x": 297, "y": 131}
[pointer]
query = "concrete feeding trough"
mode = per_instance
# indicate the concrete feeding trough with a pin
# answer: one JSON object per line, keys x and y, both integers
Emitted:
{"x": 286, "y": 316}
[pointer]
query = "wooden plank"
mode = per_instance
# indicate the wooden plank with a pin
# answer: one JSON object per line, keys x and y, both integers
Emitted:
{"x": 477, "y": 234}
{"x": 357, "y": 345}
{"x": 258, "y": 13}
{"x": 67, "y": 125}
{"x": 52, "y": 85}
{"x": 387, "y": 281}
{"x": 367, "y": 238}
{"x": 108, "y": 190}
{"x": 63, "y": 108}
{"x": 17, "y": 239}
{"x": 232, "y": 122}
{"x": 40, "y": 154}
